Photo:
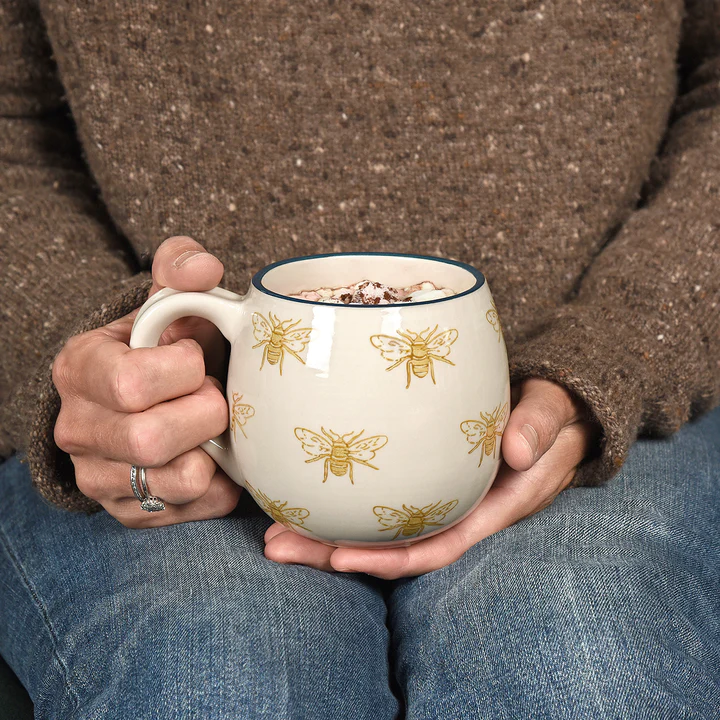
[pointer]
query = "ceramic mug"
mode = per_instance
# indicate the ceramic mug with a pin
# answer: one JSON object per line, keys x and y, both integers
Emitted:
{"x": 356, "y": 425}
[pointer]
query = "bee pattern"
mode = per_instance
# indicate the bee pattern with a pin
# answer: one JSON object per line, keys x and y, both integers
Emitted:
{"x": 278, "y": 511}
{"x": 417, "y": 350}
{"x": 494, "y": 319}
{"x": 278, "y": 337}
{"x": 339, "y": 451}
{"x": 239, "y": 414}
{"x": 486, "y": 432}
{"x": 411, "y": 520}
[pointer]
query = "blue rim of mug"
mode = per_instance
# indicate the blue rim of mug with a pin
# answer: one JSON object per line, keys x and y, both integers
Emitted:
{"x": 258, "y": 277}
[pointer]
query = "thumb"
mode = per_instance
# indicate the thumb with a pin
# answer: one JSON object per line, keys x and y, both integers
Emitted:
{"x": 542, "y": 411}
{"x": 183, "y": 264}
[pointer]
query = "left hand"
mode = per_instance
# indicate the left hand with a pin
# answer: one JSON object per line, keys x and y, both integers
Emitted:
{"x": 546, "y": 438}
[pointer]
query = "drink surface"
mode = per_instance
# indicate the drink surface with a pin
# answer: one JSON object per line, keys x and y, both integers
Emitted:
{"x": 369, "y": 292}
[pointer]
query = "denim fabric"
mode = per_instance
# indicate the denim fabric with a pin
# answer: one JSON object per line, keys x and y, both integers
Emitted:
{"x": 605, "y": 605}
{"x": 188, "y": 621}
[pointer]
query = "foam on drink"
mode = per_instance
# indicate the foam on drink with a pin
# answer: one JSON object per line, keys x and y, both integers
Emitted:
{"x": 369, "y": 292}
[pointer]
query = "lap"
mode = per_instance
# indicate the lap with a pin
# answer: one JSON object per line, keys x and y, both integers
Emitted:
{"x": 604, "y": 604}
{"x": 185, "y": 621}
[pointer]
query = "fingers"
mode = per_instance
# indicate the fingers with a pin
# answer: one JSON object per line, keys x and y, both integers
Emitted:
{"x": 546, "y": 462}
{"x": 542, "y": 410}
{"x": 220, "y": 499}
{"x": 392, "y": 563}
{"x": 163, "y": 432}
{"x": 151, "y": 438}
{"x": 191, "y": 486}
{"x": 101, "y": 370}
{"x": 183, "y": 264}
{"x": 517, "y": 494}
{"x": 514, "y": 495}
{"x": 184, "y": 479}
{"x": 284, "y": 546}
{"x": 150, "y": 407}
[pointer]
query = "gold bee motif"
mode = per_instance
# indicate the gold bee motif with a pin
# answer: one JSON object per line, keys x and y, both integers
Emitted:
{"x": 411, "y": 520}
{"x": 278, "y": 337}
{"x": 417, "y": 350}
{"x": 494, "y": 319}
{"x": 240, "y": 414}
{"x": 278, "y": 511}
{"x": 339, "y": 451}
{"x": 486, "y": 432}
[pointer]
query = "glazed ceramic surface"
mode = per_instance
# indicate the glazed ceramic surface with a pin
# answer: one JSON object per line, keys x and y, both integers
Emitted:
{"x": 356, "y": 425}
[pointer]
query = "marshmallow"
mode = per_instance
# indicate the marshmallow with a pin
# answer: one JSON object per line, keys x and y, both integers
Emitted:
{"x": 368, "y": 292}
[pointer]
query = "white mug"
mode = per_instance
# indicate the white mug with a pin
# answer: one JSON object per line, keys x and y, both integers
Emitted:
{"x": 356, "y": 425}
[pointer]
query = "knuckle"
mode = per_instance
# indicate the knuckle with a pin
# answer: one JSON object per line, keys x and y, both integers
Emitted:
{"x": 65, "y": 369}
{"x": 129, "y": 387}
{"x": 62, "y": 368}
{"x": 74, "y": 343}
{"x": 146, "y": 442}
{"x": 229, "y": 502}
{"x": 194, "y": 476}
{"x": 227, "y": 499}
{"x": 64, "y": 434}
{"x": 88, "y": 484}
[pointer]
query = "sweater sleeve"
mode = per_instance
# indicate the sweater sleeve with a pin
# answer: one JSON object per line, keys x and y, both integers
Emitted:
{"x": 62, "y": 264}
{"x": 640, "y": 341}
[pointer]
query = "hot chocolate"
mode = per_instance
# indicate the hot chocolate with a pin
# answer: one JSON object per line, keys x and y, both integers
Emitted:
{"x": 369, "y": 292}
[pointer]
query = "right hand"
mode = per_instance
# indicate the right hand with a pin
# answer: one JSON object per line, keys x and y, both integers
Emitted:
{"x": 150, "y": 407}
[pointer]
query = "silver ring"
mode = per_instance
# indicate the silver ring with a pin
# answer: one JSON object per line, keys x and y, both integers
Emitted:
{"x": 148, "y": 502}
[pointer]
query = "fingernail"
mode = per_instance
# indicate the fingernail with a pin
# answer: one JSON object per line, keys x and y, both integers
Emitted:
{"x": 531, "y": 438}
{"x": 216, "y": 383}
{"x": 185, "y": 257}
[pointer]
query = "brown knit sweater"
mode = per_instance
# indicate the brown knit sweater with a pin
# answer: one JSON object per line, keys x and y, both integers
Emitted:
{"x": 548, "y": 143}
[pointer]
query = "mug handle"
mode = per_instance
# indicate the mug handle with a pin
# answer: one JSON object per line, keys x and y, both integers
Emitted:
{"x": 224, "y": 309}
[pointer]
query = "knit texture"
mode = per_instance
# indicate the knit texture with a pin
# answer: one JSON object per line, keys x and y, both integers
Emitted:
{"x": 549, "y": 144}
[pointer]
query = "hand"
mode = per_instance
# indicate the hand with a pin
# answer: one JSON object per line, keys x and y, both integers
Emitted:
{"x": 544, "y": 441}
{"x": 149, "y": 407}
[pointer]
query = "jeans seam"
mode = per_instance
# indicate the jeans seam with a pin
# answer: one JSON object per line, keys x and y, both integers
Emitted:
{"x": 37, "y": 601}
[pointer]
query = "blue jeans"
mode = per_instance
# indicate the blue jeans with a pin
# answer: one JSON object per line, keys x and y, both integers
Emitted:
{"x": 604, "y": 605}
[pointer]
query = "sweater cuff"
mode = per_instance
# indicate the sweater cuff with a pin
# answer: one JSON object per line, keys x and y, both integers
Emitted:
{"x": 582, "y": 349}
{"x": 52, "y": 470}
